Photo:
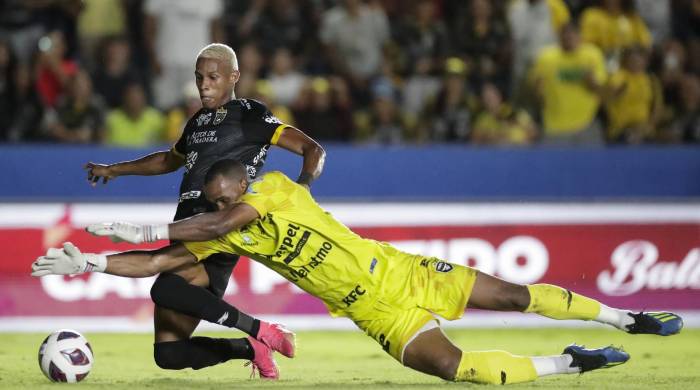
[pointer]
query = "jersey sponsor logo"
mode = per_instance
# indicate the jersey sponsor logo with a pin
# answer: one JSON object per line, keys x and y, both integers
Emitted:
{"x": 314, "y": 262}
{"x": 261, "y": 154}
{"x": 269, "y": 118}
{"x": 251, "y": 171}
{"x": 220, "y": 116}
{"x": 297, "y": 249}
{"x": 201, "y": 137}
{"x": 189, "y": 195}
{"x": 203, "y": 119}
{"x": 190, "y": 160}
{"x": 246, "y": 103}
{"x": 442, "y": 266}
{"x": 354, "y": 295}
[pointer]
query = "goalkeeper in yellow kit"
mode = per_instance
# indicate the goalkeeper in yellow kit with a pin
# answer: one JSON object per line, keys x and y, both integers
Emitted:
{"x": 392, "y": 296}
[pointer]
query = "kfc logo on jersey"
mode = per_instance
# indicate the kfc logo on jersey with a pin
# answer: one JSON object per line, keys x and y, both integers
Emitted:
{"x": 269, "y": 118}
{"x": 203, "y": 119}
{"x": 191, "y": 160}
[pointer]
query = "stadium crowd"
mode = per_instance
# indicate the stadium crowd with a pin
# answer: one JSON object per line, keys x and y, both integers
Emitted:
{"x": 496, "y": 72}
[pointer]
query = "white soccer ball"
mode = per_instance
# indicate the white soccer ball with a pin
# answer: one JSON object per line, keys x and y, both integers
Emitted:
{"x": 65, "y": 356}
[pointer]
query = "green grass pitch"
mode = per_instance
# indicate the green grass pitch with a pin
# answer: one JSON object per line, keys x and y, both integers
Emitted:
{"x": 352, "y": 360}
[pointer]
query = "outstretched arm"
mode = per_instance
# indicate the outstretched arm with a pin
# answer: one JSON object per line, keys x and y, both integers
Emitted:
{"x": 314, "y": 156}
{"x": 139, "y": 264}
{"x": 157, "y": 163}
{"x": 201, "y": 227}
{"x": 134, "y": 264}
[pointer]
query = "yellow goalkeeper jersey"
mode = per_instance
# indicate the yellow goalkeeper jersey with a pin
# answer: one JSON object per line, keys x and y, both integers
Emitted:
{"x": 302, "y": 242}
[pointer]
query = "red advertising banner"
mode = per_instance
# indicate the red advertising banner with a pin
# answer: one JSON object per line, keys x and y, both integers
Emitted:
{"x": 636, "y": 262}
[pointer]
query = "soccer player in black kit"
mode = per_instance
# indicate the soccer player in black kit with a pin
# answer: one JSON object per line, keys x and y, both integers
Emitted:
{"x": 225, "y": 128}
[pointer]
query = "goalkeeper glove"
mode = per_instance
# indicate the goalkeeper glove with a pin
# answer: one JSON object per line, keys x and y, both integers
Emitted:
{"x": 129, "y": 232}
{"x": 68, "y": 261}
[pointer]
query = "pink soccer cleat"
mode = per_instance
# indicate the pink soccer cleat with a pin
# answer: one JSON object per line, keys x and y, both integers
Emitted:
{"x": 278, "y": 338}
{"x": 263, "y": 361}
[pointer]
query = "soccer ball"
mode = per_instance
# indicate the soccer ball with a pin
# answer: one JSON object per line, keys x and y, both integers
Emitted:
{"x": 65, "y": 356}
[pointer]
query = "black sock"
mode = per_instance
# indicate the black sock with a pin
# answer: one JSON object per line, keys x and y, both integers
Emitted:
{"x": 173, "y": 292}
{"x": 200, "y": 352}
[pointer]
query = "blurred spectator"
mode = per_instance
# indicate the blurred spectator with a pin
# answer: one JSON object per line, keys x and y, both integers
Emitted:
{"x": 568, "y": 79}
{"x": 115, "y": 71}
{"x": 499, "y": 123}
{"x": 422, "y": 37}
{"x": 484, "y": 39}
{"x": 8, "y": 69}
{"x": 27, "y": 109}
{"x": 264, "y": 94}
{"x": 530, "y": 33}
{"x": 250, "y": 65}
{"x": 686, "y": 19}
{"x": 178, "y": 116}
{"x": 657, "y": 16}
{"x": 323, "y": 111}
{"x": 279, "y": 23}
{"x": 135, "y": 124}
{"x": 285, "y": 81}
{"x": 686, "y": 124}
{"x": 20, "y": 23}
{"x": 635, "y": 104}
{"x": 53, "y": 69}
{"x": 420, "y": 89}
{"x": 383, "y": 123}
{"x": 99, "y": 20}
{"x": 78, "y": 116}
{"x": 354, "y": 34}
{"x": 448, "y": 118}
{"x": 175, "y": 31}
{"x": 614, "y": 25}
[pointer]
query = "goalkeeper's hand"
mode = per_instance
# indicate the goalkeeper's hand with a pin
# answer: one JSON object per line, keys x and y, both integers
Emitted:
{"x": 129, "y": 232}
{"x": 68, "y": 261}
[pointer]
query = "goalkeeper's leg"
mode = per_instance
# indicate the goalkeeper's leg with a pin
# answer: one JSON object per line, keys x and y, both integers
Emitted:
{"x": 491, "y": 293}
{"x": 431, "y": 352}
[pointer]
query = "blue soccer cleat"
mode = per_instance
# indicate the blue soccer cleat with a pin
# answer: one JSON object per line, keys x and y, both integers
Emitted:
{"x": 593, "y": 359}
{"x": 655, "y": 322}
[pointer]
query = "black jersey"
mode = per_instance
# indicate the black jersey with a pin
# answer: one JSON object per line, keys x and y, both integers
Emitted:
{"x": 242, "y": 129}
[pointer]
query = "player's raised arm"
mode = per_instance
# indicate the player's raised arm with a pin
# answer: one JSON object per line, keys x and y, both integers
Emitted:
{"x": 157, "y": 163}
{"x": 201, "y": 227}
{"x": 134, "y": 264}
{"x": 314, "y": 155}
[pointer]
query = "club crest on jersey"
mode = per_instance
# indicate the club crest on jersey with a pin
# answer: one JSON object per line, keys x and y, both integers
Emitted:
{"x": 441, "y": 266}
{"x": 220, "y": 115}
{"x": 203, "y": 119}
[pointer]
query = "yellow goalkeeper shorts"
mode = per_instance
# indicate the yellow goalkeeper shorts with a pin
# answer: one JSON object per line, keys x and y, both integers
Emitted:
{"x": 416, "y": 289}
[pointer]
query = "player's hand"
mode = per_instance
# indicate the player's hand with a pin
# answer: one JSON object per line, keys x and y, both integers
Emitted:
{"x": 64, "y": 261}
{"x": 118, "y": 231}
{"x": 96, "y": 172}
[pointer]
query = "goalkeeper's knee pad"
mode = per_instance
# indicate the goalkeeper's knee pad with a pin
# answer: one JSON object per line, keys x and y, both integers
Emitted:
{"x": 494, "y": 367}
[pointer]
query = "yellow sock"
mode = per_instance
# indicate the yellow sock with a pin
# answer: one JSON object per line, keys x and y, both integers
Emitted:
{"x": 495, "y": 367}
{"x": 555, "y": 302}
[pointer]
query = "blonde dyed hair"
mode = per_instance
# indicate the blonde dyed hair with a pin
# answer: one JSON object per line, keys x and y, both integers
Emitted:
{"x": 219, "y": 51}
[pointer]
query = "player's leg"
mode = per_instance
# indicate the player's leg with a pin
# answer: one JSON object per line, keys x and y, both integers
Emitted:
{"x": 492, "y": 293}
{"x": 175, "y": 349}
{"x": 172, "y": 290}
{"x": 431, "y": 352}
